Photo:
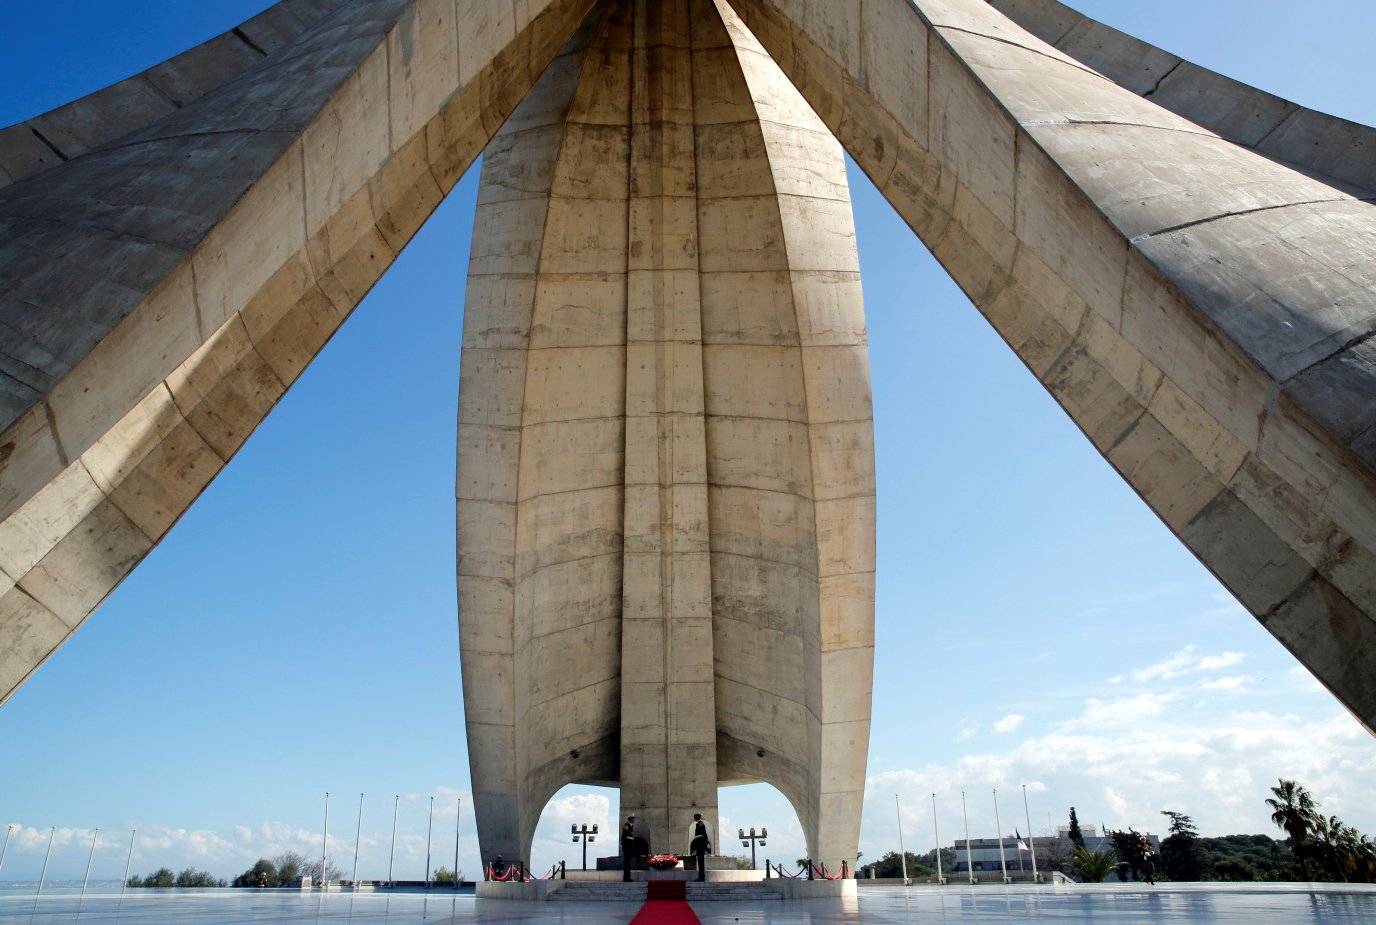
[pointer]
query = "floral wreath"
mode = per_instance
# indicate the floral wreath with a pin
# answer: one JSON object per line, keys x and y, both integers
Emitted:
{"x": 663, "y": 861}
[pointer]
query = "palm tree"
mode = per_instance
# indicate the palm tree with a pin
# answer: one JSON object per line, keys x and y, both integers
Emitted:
{"x": 1094, "y": 866}
{"x": 1294, "y": 810}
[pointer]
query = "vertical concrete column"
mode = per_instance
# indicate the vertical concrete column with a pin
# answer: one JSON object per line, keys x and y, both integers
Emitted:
{"x": 668, "y": 737}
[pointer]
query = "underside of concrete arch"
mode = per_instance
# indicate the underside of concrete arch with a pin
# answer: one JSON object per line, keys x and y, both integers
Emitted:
{"x": 666, "y": 414}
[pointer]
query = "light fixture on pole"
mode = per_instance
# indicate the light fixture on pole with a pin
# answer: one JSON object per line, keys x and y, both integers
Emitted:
{"x": 584, "y": 835}
{"x": 752, "y": 839}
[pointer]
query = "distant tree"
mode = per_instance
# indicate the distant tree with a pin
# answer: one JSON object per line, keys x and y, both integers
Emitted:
{"x": 160, "y": 879}
{"x": 1232, "y": 869}
{"x": 135, "y": 882}
{"x": 445, "y": 875}
{"x": 1094, "y": 866}
{"x": 1182, "y": 856}
{"x": 191, "y": 878}
{"x": 890, "y": 866}
{"x": 1054, "y": 853}
{"x": 290, "y": 865}
{"x": 1126, "y": 844}
{"x": 262, "y": 873}
{"x": 741, "y": 861}
{"x": 1076, "y": 839}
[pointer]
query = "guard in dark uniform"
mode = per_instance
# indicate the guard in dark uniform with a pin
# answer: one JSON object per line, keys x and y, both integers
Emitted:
{"x": 700, "y": 844}
{"x": 627, "y": 847}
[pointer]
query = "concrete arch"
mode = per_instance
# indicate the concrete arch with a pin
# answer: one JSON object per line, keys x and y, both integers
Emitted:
{"x": 1201, "y": 311}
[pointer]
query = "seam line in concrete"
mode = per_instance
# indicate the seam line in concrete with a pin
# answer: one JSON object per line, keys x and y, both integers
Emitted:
{"x": 1214, "y": 218}
{"x": 1076, "y": 63}
{"x": 243, "y": 37}
{"x": 51, "y": 147}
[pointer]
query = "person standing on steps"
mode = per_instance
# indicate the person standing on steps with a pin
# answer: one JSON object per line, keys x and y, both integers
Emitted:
{"x": 699, "y": 844}
{"x": 627, "y": 847}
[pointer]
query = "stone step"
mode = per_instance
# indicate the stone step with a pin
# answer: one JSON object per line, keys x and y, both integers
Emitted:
{"x": 599, "y": 892}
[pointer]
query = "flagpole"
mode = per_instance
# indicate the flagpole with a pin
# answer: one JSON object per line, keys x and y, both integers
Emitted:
{"x": 86, "y": 879}
{"x": 936, "y": 833}
{"x": 458, "y": 817}
{"x": 1031, "y": 840}
{"x": 902, "y": 852}
{"x": 999, "y": 825}
{"x": 42, "y": 876}
{"x": 128, "y": 863}
{"x": 969, "y": 854}
{"x": 325, "y": 846}
{"x": 357, "y": 836}
{"x": 428, "y": 832}
{"x": 396, "y": 804}
{"x": 8, "y": 829}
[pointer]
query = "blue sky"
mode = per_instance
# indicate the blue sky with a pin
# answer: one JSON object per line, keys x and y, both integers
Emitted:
{"x": 296, "y": 632}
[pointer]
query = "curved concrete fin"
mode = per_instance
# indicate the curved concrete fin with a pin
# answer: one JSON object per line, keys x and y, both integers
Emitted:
{"x": 1325, "y": 147}
{"x": 1201, "y": 311}
{"x": 204, "y": 260}
{"x": 675, "y": 543}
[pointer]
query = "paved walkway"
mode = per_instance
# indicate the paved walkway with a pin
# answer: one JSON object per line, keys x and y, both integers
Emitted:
{"x": 1116, "y": 904}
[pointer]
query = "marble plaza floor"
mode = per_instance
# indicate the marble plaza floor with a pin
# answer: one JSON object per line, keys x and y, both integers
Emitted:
{"x": 1115, "y": 904}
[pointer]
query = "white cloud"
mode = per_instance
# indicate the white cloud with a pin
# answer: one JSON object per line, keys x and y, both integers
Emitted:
{"x": 965, "y": 733}
{"x": 1173, "y": 667}
{"x": 1219, "y": 662}
{"x": 1009, "y": 723}
{"x": 1228, "y": 683}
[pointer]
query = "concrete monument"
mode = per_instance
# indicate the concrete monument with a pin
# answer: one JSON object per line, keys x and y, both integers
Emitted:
{"x": 665, "y": 490}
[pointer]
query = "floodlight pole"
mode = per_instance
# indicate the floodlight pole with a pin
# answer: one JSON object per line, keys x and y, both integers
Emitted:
{"x": 752, "y": 839}
{"x": 584, "y": 834}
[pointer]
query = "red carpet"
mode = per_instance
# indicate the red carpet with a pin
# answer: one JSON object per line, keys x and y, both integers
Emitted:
{"x": 665, "y": 905}
{"x": 665, "y": 912}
